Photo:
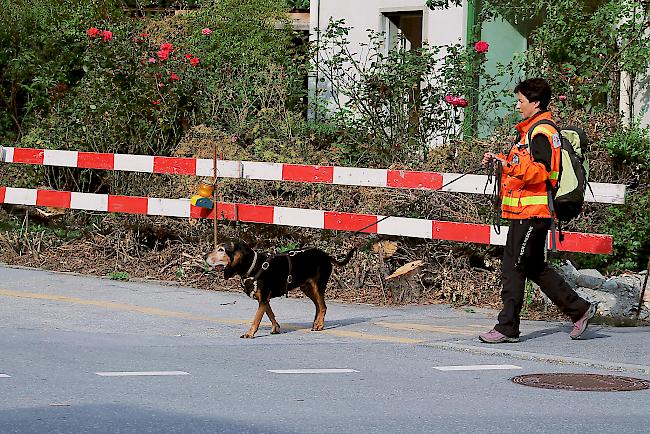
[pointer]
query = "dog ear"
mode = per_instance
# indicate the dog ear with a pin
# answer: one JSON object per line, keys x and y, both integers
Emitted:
{"x": 229, "y": 247}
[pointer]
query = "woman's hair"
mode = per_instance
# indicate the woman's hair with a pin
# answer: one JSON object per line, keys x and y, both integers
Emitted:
{"x": 535, "y": 89}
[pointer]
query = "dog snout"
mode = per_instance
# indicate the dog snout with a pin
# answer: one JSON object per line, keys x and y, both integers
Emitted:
{"x": 217, "y": 258}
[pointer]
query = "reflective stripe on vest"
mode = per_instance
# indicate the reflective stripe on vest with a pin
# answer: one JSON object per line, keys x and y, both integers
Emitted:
{"x": 525, "y": 200}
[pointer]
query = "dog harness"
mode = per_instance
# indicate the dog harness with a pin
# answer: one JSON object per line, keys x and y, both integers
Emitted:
{"x": 250, "y": 269}
{"x": 266, "y": 264}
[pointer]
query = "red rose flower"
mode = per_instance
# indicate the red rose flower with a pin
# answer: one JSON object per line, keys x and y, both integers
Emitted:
{"x": 456, "y": 101}
{"x": 107, "y": 35}
{"x": 93, "y": 32}
{"x": 481, "y": 47}
{"x": 173, "y": 77}
{"x": 194, "y": 61}
{"x": 166, "y": 47}
{"x": 163, "y": 54}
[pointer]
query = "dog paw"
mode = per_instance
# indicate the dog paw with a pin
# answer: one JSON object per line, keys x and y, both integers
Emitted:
{"x": 247, "y": 335}
{"x": 317, "y": 328}
{"x": 275, "y": 331}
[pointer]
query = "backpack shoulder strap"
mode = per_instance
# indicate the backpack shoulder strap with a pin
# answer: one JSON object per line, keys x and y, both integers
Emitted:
{"x": 549, "y": 122}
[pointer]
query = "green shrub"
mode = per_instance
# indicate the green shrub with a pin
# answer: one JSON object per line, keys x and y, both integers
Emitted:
{"x": 632, "y": 146}
{"x": 628, "y": 223}
{"x": 242, "y": 76}
{"x": 41, "y": 56}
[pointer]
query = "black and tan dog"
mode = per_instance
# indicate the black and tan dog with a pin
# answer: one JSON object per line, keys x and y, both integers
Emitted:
{"x": 267, "y": 276}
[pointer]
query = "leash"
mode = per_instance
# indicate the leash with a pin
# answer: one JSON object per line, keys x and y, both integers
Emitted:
{"x": 289, "y": 255}
{"x": 494, "y": 177}
{"x": 214, "y": 195}
{"x": 471, "y": 172}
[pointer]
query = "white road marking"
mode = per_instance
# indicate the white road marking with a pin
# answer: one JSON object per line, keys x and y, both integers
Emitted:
{"x": 141, "y": 374}
{"x": 475, "y": 367}
{"x": 312, "y": 371}
{"x": 5, "y": 376}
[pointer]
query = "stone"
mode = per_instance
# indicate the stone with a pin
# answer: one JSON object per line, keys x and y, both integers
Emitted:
{"x": 610, "y": 305}
{"x": 611, "y": 286}
{"x": 569, "y": 273}
{"x": 590, "y": 278}
{"x": 633, "y": 281}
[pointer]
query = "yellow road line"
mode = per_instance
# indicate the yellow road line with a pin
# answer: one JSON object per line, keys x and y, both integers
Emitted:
{"x": 121, "y": 306}
{"x": 111, "y": 305}
{"x": 366, "y": 336}
{"x": 426, "y": 328}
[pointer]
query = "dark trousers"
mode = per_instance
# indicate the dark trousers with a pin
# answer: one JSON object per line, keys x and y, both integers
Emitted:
{"x": 524, "y": 257}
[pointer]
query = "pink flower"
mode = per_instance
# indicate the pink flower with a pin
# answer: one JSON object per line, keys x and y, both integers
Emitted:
{"x": 194, "y": 61}
{"x": 161, "y": 85}
{"x": 163, "y": 54}
{"x": 173, "y": 77}
{"x": 456, "y": 101}
{"x": 206, "y": 31}
{"x": 166, "y": 47}
{"x": 151, "y": 60}
{"x": 481, "y": 47}
{"x": 93, "y": 32}
{"x": 562, "y": 98}
{"x": 107, "y": 35}
{"x": 233, "y": 139}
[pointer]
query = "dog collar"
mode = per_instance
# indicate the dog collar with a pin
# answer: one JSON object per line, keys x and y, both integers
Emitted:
{"x": 248, "y": 273}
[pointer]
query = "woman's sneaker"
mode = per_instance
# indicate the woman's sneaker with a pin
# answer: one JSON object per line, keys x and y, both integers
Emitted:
{"x": 580, "y": 326}
{"x": 494, "y": 337}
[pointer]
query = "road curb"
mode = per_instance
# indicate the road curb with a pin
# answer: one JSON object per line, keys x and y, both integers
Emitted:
{"x": 525, "y": 355}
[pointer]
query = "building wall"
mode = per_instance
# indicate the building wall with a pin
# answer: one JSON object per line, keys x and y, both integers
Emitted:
{"x": 636, "y": 106}
{"x": 439, "y": 27}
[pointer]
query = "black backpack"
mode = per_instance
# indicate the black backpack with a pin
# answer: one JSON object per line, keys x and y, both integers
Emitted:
{"x": 567, "y": 198}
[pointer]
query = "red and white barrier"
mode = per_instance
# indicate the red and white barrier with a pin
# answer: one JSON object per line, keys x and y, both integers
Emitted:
{"x": 308, "y": 218}
{"x": 407, "y": 179}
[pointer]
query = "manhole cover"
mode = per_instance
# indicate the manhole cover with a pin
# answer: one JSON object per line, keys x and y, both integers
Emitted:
{"x": 584, "y": 382}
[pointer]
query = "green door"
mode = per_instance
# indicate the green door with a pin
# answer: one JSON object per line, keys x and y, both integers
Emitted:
{"x": 505, "y": 40}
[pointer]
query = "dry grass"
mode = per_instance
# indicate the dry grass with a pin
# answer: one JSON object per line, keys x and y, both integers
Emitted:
{"x": 158, "y": 248}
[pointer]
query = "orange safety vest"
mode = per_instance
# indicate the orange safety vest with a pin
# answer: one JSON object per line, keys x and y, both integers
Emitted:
{"x": 524, "y": 191}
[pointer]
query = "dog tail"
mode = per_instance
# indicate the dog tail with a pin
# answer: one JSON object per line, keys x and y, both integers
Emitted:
{"x": 347, "y": 258}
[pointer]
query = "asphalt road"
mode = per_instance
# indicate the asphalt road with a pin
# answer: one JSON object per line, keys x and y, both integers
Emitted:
{"x": 80, "y": 354}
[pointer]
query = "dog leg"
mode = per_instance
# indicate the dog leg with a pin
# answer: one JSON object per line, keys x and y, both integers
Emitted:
{"x": 261, "y": 309}
{"x": 319, "y": 321}
{"x": 275, "y": 326}
{"x": 311, "y": 290}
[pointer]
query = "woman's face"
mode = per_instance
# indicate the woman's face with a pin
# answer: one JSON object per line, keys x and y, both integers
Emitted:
{"x": 526, "y": 108}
